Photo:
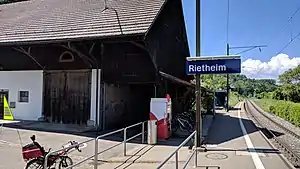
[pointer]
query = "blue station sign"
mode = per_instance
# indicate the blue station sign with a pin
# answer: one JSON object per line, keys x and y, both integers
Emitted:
{"x": 213, "y": 65}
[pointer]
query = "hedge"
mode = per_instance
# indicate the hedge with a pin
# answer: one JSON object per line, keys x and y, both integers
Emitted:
{"x": 287, "y": 110}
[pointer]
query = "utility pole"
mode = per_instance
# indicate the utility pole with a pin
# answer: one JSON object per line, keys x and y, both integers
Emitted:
{"x": 248, "y": 48}
{"x": 227, "y": 103}
{"x": 198, "y": 79}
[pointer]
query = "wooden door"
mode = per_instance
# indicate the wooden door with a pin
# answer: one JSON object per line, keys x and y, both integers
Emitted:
{"x": 2, "y": 94}
{"x": 67, "y": 96}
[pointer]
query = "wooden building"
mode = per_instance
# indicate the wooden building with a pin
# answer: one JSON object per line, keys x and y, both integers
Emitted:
{"x": 92, "y": 61}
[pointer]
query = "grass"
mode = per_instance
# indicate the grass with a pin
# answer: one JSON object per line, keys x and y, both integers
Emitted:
{"x": 285, "y": 109}
{"x": 265, "y": 103}
{"x": 233, "y": 99}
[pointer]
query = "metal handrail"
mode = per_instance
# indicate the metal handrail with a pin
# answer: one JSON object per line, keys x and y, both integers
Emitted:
{"x": 63, "y": 149}
{"x": 125, "y": 134}
{"x": 189, "y": 159}
{"x": 101, "y": 136}
{"x": 194, "y": 134}
{"x": 123, "y": 142}
{"x": 96, "y": 145}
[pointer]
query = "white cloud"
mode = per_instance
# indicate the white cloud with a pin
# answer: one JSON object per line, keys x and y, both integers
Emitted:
{"x": 271, "y": 69}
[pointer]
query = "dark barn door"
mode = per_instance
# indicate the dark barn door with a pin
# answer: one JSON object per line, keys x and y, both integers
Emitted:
{"x": 2, "y": 94}
{"x": 67, "y": 96}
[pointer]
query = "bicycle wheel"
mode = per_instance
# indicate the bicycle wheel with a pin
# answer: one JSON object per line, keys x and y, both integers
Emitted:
{"x": 174, "y": 128}
{"x": 174, "y": 125}
{"x": 65, "y": 162}
{"x": 35, "y": 164}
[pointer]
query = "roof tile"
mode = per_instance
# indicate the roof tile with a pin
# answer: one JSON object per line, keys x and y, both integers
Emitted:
{"x": 41, "y": 20}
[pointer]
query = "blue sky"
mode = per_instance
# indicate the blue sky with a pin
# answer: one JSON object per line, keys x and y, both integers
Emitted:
{"x": 251, "y": 22}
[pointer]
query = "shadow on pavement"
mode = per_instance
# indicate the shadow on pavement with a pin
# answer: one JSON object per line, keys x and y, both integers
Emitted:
{"x": 224, "y": 129}
{"x": 136, "y": 156}
{"x": 75, "y": 130}
{"x": 227, "y": 128}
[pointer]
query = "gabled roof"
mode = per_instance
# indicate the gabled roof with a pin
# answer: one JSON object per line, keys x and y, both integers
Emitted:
{"x": 59, "y": 20}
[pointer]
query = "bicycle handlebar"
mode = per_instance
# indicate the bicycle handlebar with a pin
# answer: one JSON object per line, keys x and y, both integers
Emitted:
{"x": 76, "y": 147}
{"x": 37, "y": 144}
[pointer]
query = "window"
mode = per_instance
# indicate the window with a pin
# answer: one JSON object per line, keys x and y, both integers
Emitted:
{"x": 66, "y": 57}
{"x": 24, "y": 96}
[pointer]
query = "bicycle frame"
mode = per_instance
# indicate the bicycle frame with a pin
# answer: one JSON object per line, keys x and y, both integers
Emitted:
{"x": 184, "y": 124}
{"x": 53, "y": 158}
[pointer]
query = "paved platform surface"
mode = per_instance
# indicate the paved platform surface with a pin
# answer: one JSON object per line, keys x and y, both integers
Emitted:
{"x": 234, "y": 143}
{"x": 150, "y": 156}
{"x": 11, "y": 156}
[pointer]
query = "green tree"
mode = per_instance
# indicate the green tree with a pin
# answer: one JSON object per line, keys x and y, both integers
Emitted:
{"x": 240, "y": 84}
{"x": 290, "y": 85}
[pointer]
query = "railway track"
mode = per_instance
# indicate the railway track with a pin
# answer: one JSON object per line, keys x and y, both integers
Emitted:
{"x": 283, "y": 138}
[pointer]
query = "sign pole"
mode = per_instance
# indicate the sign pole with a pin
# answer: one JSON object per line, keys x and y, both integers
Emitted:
{"x": 227, "y": 104}
{"x": 198, "y": 79}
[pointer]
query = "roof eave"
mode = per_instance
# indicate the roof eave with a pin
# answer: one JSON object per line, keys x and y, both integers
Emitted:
{"x": 137, "y": 36}
{"x": 153, "y": 21}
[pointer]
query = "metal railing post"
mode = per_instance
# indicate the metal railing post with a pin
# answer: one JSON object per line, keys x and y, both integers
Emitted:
{"x": 143, "y": 132}
{"x": 125, "y": 130}
{"x": 196, "y": 155}
{"x": 46, "y": 160}
{"x": 176, "y": 160}
{"x": 175, "y": 152}
{"x": 96, "y": 154}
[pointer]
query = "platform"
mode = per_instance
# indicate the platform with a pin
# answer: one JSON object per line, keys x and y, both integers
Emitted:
{"x": 150, "y": 156}
{"x": 234, "y": 142}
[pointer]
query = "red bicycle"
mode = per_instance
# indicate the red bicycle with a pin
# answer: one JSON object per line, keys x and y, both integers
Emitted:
{"x": 34, "y": 155}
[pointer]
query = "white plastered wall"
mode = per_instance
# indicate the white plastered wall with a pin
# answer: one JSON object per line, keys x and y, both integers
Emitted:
{"x": 32, "y": 81}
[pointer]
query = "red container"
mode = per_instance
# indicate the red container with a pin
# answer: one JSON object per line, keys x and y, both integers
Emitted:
{"x": 31, "y": 151}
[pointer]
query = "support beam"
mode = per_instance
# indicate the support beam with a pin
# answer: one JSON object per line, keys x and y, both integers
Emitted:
{"x": 92, "y": 48}
{"x": 97, "y": 88}
{"x": 139, "y": 45}
{"x": 96, "y": 63}
{"x": 28, "y": 53}
{"x": 175, "y": 79}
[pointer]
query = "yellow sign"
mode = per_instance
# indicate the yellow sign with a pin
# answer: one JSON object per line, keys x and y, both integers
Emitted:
{"x": 7, "y": 112}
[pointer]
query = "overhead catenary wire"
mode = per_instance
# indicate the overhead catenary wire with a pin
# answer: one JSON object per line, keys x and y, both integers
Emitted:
{"x": 289, "y": 21}
{"x": 292, "y": 38}
{"x": 290, "y": 42}
{"x": 280, "y": 51}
